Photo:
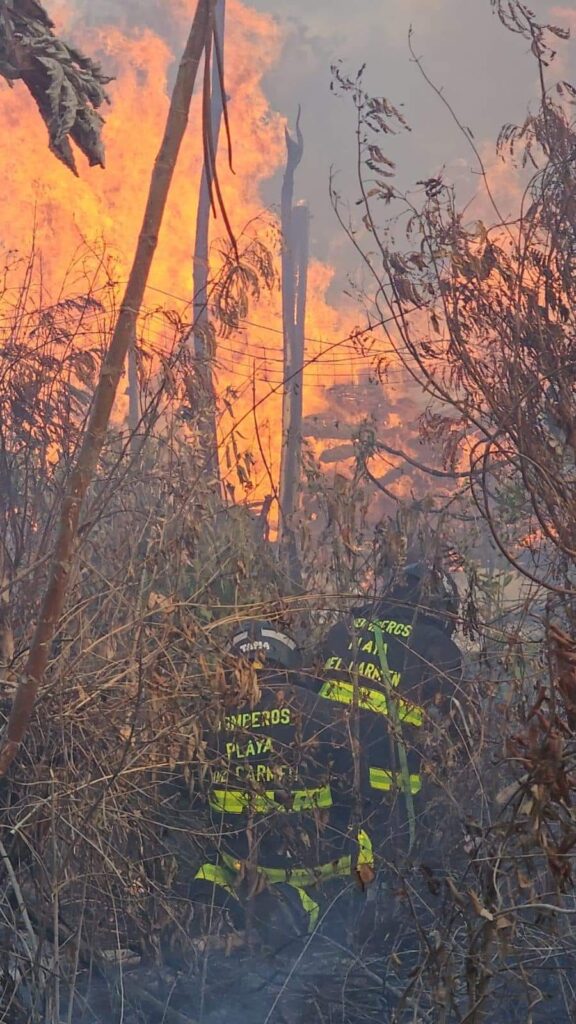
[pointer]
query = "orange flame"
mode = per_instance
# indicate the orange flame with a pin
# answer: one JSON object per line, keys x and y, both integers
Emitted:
{"x": 71, "y": 223}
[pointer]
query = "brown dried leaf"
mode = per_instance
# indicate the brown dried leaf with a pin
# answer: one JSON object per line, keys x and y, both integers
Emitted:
{"x": 405, "y": 289}
{"x": 366, "y": 875}
{"x": 478, "y": 907}
{"x": 458, "y": 897}
{"x": 506, "y": 794}
{"x": 378, "y": 157}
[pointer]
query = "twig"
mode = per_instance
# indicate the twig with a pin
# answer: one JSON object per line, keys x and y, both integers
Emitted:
{"x": 20, "y": 902}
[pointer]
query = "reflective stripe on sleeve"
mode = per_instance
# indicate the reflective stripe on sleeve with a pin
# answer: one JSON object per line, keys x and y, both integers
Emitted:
{"x": 380, "y": 778}
{"x": 218, "y": 875}
{"x": 237, "y": 801}
{"x": 371, "y": 700}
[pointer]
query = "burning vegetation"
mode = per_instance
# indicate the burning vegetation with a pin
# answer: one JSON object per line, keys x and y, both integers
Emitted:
{"x": 186, "y": 445}
{"x": 67, "y": 87}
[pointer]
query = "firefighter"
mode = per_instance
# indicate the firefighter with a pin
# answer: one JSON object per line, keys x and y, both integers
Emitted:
{"x": 395, "y": 659}
{"x": 280, "y": 788}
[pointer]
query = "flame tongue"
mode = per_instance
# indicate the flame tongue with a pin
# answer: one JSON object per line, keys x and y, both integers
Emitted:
{"x": 84, "y": 231}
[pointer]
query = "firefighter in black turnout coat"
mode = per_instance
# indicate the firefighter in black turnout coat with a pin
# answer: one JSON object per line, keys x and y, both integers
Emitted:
{"x": 395, "y": 660}
{"x": 280, "y": 787}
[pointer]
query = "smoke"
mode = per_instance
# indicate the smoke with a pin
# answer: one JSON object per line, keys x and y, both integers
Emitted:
{"x": 291, "y": 980}
{"x": 169, "y": 21}
{"x": 480, "y": 67}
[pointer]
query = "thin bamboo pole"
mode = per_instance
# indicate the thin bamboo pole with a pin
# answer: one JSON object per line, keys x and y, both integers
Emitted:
{"x": 293, "y": 403}
{"x": 204, "y": 355}
{"x": 294, "y": 278}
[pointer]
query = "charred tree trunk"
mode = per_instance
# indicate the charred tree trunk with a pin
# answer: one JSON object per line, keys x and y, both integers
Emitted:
{"x": 110, "y": 374}
{"x": 294, "y": 279}
{"x": 203, "y": 348}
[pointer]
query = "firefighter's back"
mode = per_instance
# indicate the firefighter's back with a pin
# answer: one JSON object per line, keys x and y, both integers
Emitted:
{"x": 283, "y": 780}
{"x": 394, "y": 660}
{"x": 280, "y": 776}
{"x": 387, "y": 645}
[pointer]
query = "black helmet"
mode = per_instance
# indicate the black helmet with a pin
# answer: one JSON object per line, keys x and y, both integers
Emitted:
{"x": 437, "y": 592}
{"x": 264, "y": 642}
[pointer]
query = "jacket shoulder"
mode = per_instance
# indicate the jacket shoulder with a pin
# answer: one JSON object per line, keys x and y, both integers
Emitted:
{"x": 441, "y": 647}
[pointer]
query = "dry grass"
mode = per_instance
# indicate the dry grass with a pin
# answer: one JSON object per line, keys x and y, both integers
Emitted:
{"x": 93, "y": 858}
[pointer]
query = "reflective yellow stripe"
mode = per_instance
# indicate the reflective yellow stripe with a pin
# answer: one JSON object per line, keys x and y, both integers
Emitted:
{"x": 308, "y": 799}
{"x": 309, "y": 906}
{"x": 218, "y": 876}
{"x": 372, "y": 700}
{"x": 237, "y": 801}
{"x": 382, "y": 779}
{"x": 366, "y": 852}
{"x": 224, "y": 876}
{"x": 298, "y": 876}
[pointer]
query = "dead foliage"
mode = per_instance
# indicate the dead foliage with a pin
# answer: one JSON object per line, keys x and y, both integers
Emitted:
{"x": 67, "y": 86}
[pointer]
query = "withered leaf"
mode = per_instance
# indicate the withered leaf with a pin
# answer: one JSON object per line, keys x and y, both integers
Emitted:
{"x": 377, "y": 156}
{"x": 478, "y": 907}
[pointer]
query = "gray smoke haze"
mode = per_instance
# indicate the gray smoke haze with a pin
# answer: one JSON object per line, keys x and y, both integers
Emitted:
{"x": 485, "y": 72}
